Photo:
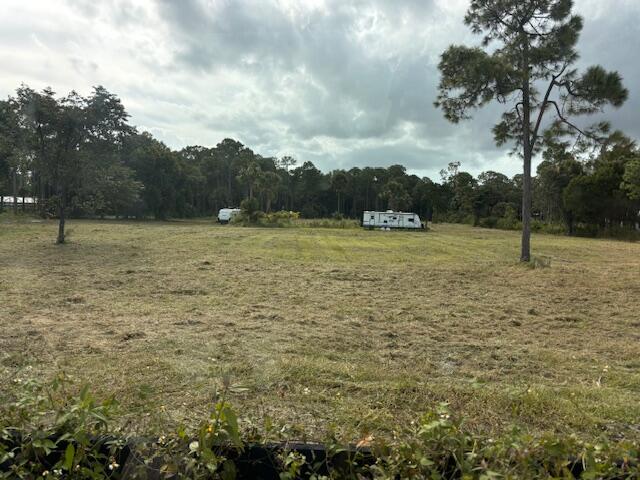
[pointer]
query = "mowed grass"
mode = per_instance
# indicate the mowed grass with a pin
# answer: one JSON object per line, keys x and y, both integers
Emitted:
{"x": 360, "y": 331}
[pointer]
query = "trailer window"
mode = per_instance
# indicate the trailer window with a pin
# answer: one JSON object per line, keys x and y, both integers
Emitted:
{"x": 395, "y": 218}
{"x": 372, "y": 217}
{"x": 411, "y": 220}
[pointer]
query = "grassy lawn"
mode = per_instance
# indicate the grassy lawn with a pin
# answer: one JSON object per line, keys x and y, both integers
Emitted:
{"x": 356, "y": 329}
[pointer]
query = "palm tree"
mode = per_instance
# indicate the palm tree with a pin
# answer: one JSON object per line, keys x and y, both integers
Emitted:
{"x": 270, "y": 186}
{"x": 250, "y": 175}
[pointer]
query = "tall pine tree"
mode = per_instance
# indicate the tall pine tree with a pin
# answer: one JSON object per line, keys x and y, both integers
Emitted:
{"x": 526, "y": 63}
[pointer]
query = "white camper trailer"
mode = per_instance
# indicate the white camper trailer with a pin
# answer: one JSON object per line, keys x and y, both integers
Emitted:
{"x": 391, "y": 220}
{"x": 226, "y": 214}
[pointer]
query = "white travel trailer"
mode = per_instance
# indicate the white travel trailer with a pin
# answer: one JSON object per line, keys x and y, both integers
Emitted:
{"x": 391, "y": 220}
{"x": 226, "y": 214}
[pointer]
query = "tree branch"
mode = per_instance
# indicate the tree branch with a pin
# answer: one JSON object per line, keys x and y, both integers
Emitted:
{"x": 567, "y": 122}
{"x": 536, "y": 32}
{"x": 519, "y": 104}
{"x": 545, "y": 102}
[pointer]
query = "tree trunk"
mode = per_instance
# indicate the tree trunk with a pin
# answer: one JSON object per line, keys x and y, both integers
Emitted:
{"x": 525, "y": 253}
{"x": 61, "y": 221}
{"x": 568, "y": 220}
{"x": 61, "y": 217}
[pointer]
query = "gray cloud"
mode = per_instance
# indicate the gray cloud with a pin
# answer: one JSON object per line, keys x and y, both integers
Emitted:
{"x": 339, "y": 83}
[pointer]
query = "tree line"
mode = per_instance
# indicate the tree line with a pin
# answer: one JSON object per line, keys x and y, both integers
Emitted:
{"x": 79, "y": 157}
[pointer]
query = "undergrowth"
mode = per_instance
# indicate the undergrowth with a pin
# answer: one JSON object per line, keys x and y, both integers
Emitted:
{"x": 59, "y": 430}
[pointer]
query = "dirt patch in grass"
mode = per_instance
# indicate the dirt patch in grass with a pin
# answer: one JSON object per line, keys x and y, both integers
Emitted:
{"x": 345, "y": 327}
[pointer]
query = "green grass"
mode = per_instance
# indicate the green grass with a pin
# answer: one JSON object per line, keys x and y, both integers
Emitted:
{"x": 361, "y": 330}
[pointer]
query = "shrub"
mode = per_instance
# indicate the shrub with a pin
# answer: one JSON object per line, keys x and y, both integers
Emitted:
{"x": 260, "y": 219}
{"x": 545, "y": 227}
{"x": 327, "y": 223}
{"x": 250, "y": 213}
{"x": 281, "y": 218}
{"x": 250, "y": 210}
{"x": 309, "y": 210}
{"x": 509, "y": 224}
{"x": 453, "y": 217}
{"x": 624, "y": 233}
{"x": 488, "y": 222}
{"x": 54, "y": 431}
{"x": 439, "y": 447}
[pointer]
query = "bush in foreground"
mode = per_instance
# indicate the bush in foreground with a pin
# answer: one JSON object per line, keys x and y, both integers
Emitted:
{"x": 57, "y": 431}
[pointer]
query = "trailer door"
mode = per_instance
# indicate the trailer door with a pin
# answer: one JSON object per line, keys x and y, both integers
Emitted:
{"x": 370, "y": 219}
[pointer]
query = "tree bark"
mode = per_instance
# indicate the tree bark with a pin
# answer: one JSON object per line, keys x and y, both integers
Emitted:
{"x": 568, "y": 220}
{"x": 61, "y": 218}
{"x": 61, "y": 221}
{"x": 525, "y": 252}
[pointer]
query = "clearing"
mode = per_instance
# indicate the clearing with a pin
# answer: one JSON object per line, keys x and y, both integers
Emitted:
{"x": 356, "y": 329}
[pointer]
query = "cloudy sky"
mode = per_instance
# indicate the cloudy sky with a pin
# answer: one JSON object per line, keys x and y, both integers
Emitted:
{"x": 340, "y": 83}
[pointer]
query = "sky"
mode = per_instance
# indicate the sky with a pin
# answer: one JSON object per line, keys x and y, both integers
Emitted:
{"x": 339, "y": 83}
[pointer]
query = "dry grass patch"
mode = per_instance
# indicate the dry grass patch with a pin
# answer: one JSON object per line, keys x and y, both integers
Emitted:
{"x": 347, "y": 327}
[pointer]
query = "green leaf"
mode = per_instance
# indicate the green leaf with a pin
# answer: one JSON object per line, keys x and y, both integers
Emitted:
{"x": 100, "y": 417}
{"x": 84, "y": 392}
{"x": 232, "y": 425}
{"x": 69, "y": 453}
{"x": 228, "y": 470}
{"x": 45, "y": 444}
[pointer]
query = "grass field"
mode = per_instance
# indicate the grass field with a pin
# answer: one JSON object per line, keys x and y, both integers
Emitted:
{"x": 360, "y": 330}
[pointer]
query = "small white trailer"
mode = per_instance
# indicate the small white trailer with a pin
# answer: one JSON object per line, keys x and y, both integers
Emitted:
{"x": 391, "y": 220}
{"x": 226, "y": 214}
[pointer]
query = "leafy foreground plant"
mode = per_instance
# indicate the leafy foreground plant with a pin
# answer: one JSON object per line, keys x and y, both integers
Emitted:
{"x": 54, "y": 431}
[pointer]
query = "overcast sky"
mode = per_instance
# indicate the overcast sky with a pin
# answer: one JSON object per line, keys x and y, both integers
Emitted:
{"x": 340, "y": 83}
